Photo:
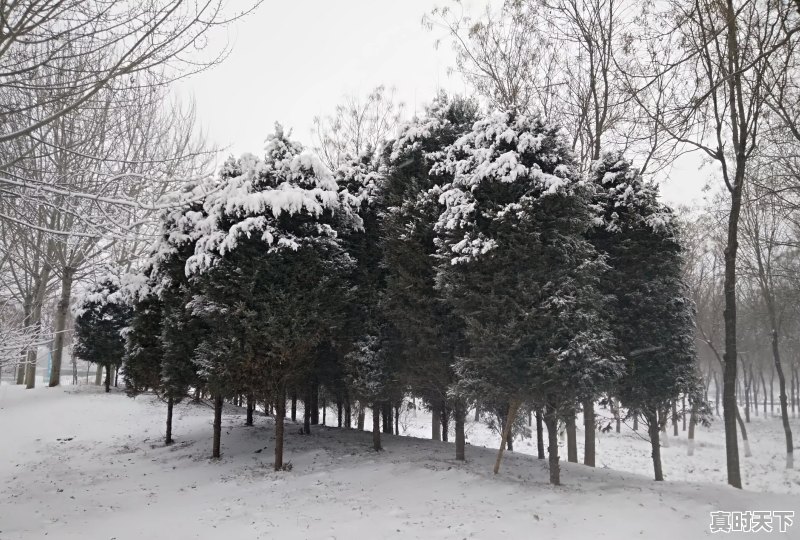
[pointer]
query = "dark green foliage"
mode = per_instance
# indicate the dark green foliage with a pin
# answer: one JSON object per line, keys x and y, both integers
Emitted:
{"x": 652, "y": 316}
{"x": 143, "y": 349}
{"x": 427, "y": 335}
{"x": 99, "y": 327}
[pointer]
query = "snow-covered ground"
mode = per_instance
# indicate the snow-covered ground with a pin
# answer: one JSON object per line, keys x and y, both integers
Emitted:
{"x": 78, "y": 463}
{"x": 629, "y": 450}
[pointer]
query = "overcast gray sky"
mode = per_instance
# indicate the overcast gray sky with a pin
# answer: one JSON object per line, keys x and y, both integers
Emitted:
{"x": 295, "y": 59}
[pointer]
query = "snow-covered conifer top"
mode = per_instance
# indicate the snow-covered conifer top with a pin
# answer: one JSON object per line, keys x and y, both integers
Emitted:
{"x": 500, "y": 149}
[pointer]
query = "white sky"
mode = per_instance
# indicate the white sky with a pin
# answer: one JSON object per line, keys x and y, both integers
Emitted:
{"x": 292, "y": 60}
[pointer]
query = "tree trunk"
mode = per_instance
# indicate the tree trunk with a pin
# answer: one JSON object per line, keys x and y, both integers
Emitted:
{"x": 588, "y": 433}
{"x": 459, "y": 414}
{"x": 436, "y": 424}
{"x": 674, "y": 418}
{"x": 716, "y": 395}
{"x": 36, "y": 322}
{"x": 477, "y": 411}
{"x": 551, "y": 421}
{"x": 445, "y": 416}
{"x": 397, "y": 420}
{"x": 572, "y": 438}
{"x": 386, "y": 414}
{"x": 683, "y": 412}
{"x": 324, "y": 411}
{"x": 635, "y": 421}
{"x": 348, "y": 412}
{"x": 60, "y": 325}
{"x": 307, "y": 407}
{"x": 339, "y": 412}
{"x": 294, "y": 406}
{"x": 787, "y": 430}
{"x": 744, "y": 434}
{"x": 280, "y": 415}
{"x": 692, "y": 423}
{"x": 513, "y": 407}
{"x": 653, "y": 429}
{"x": 168, "y": 438}
{"x": 27, "y": 310}
{"x": 217, "y": 426}
{"x": 772, "y": 394}
{"x": 539, "y": 434}
{"x": 314, "y": 403}
{"x": 360, "y": 419}
{"x": 376, "y": 427}
{"x": 746, "y": 384}
{"x": 108, "y": 378}
{"x": 98, "y": 375}
{"x": 730, "y": 356}
{"x": 250, "y": 408}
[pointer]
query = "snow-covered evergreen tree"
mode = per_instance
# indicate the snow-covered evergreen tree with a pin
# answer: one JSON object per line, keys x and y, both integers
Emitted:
{"x": 103, "y": 317}
{"x": 516, "y": 267}
{"x": 652, "y": 315}
{"x": 428, "y": 335}
{"x": 267, "y": 270}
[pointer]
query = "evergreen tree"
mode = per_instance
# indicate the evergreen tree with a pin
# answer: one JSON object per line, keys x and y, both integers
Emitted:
{"x": 428, "y": 334}
{"x": 515, "y": 265}
{"x": 103, "y": 316}
{"x": 368, "y": 366}
{"x": 268, "y": 271}
{"x": 652, "y": 316}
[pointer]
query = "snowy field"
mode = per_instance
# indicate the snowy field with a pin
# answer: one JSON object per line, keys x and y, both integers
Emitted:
{"x": 78, "y": 463}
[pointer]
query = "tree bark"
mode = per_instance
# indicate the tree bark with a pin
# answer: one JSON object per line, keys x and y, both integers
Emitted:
{"x": 436, "y": 424}
{"x": 683, "y": 413}
{"x": 376, "y": 427}
{"x": 572, "y": 438}
{"x": 250, "y": 408}
{"x": 459, "y": 414}
{"x": 36, "y": 322}
{"x": 168, "y": 438}
{"x": 280, "y": 415}
{"x": 692, "y": 423}
{"x": 360, "y": 420}
{"x": 589, "y": 433}
{"x": 653, "y": 429}
{"x": 386, "y": 414}
{"x": 294, "y": 406}
{"x": 339, "y": 412}
{"x": 539, "y": 434}
{"x": 60, "y": 325}
{"x": 445, "y": 416}
{"x": 674, "y": 418}
{"x": 787, "y": 430}
{"x": 307, "y": 407}
{"x": 108, "y": 378}
{"x": 217, "y": 426}
{"x": 513, "y": 407}
{"x": 314, "y": 403}
{"x": 551, "y": 421}
{"x": 747, "y": 452}
{"x": 730, "y": 356}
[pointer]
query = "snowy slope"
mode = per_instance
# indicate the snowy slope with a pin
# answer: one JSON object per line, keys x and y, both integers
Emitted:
{"x": 84, "y": 464}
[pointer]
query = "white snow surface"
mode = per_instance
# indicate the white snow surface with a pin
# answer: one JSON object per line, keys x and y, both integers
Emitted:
{"x": 78, "y": 463}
